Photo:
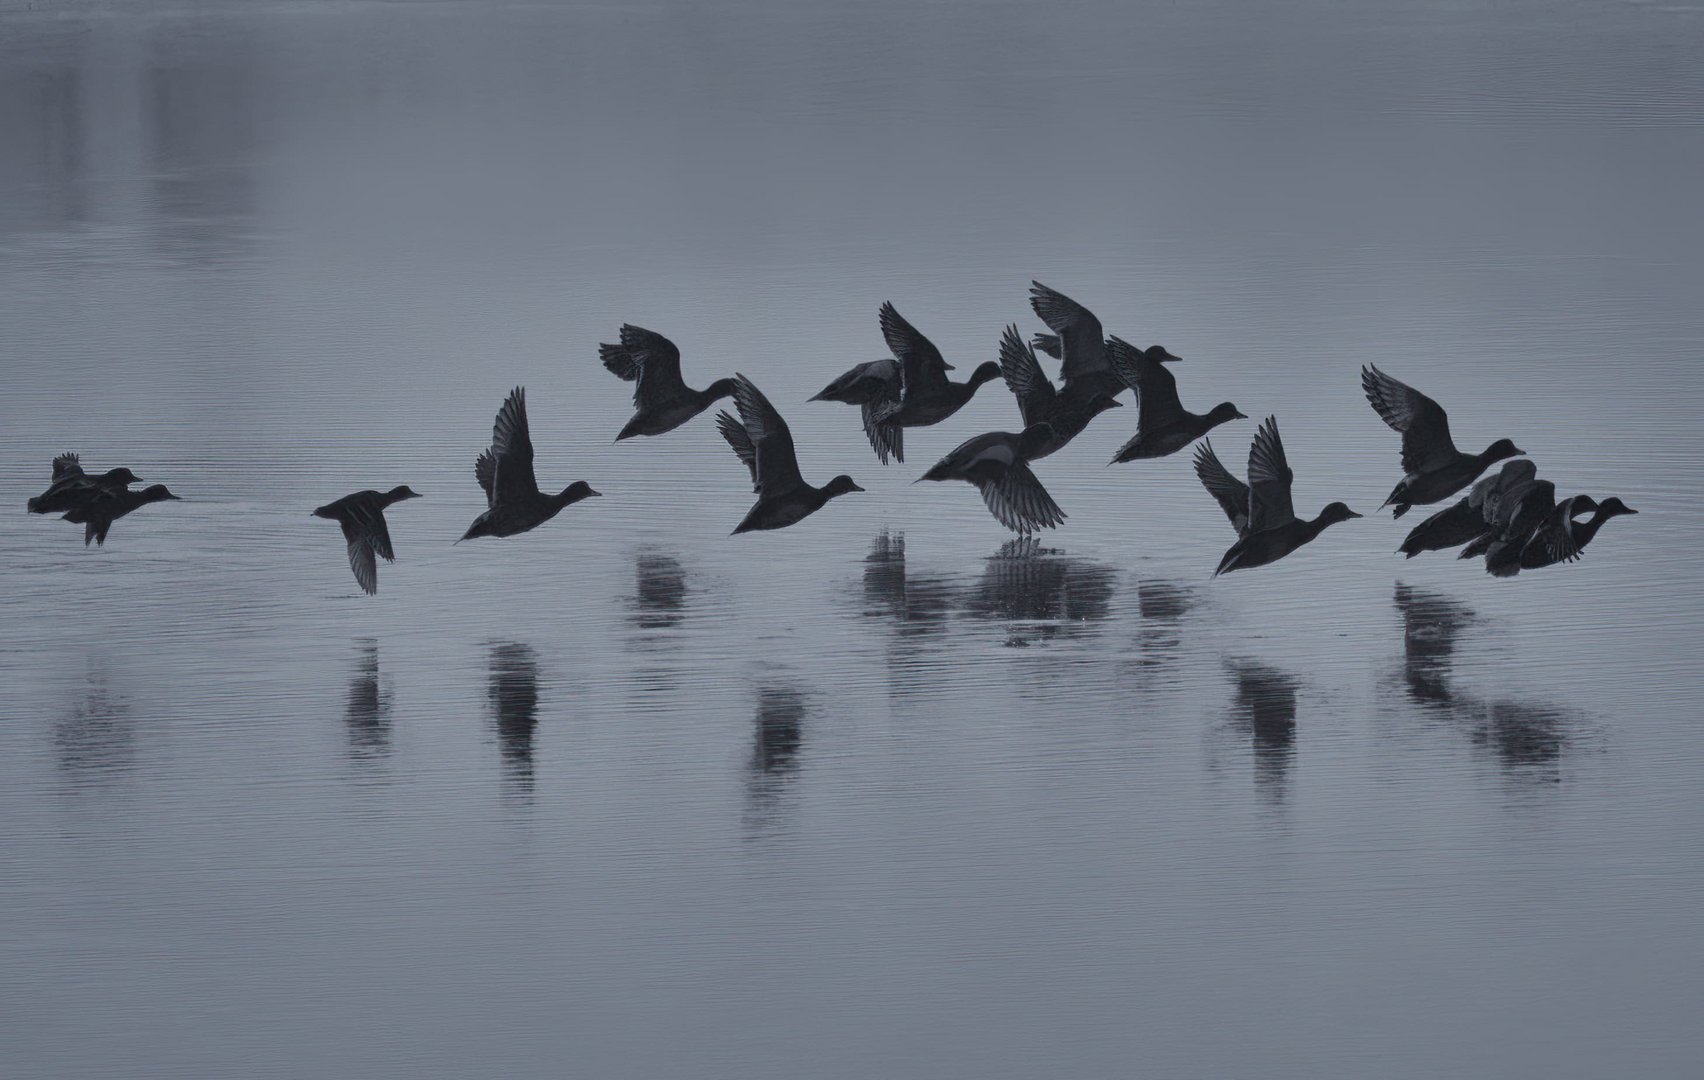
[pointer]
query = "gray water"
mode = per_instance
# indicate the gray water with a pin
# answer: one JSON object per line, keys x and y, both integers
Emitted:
{"x": 878, "y": 795}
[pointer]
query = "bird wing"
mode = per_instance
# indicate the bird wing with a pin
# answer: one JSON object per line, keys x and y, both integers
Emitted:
{"x": 1047, "y": 343}
{"x": 1156, "y": 387}
{"x": 485, "y": 471}
{"x": 1269, "y": 478}
{"x": 776, "y": 465}
{"x": 1425, "y": 429}
{"x": 887, "y": 440}
{"x": 1230, "y": 493}
{"x": 621, "y": 363}
{"x": 1035, "y": 393}
{"x": 512, "y": 451}
{"x": 1018, "y": 501}
{"x": 919, "y": 360}
{"x": 658, "y": 362}
{"x": 1556, "y": 536}
{"x": 66, "y": 465}
{"x": 735, "y": 433}
{"x": 368, "y": 517}
{"x": 361, "y": 559}
{"x": 1084, "y": 352}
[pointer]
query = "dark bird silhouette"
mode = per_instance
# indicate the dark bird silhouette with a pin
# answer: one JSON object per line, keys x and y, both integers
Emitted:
{"x": 1433, "y": 468}
{"x": 927, "y": 396}
{"x": 875, "y": 387}
{"x": 762, "y": 441}
{"x": 997, "y": 463}
{"x": 1080, "y": 344}
{"x": 1065, "y": 411}
{"x": 514, "y": 502}
{"x": 71, "y": 486}
{"x": 661, "y": 399}
{"x": 1163, "y": 426}
{"x": 1563, "y": 539}
{"x": 1513, "y": 519}
{"x": 98, "y": 511}
{"x": 362, "y": 516}
{"x": 1467, "y": 519}
{"x": 1261, "y": 511}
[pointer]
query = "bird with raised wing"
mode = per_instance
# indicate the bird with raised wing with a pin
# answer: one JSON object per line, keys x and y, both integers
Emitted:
{"x": 1066, "y": 411}
{"x": 1261, "y": 511}
{"x": 997, "y": 464}
{"x": 97, "y": 512}
{"x": 71, "y": 486}
{"x": 1163, "y": 425}
{"x": 1514, "y": 516}
{"x": 362, "y": 516}
{"x": 875, "y": 386}
{"x": 1563, "y": 539}
{"x": 764, "y": 444}
{"x": 927, "y": 395}
{"x": 1076, "y": 340}
{"x": 514, "y": 504}
{"x": 1470, "y": 517}
{"x": 1432, "y": 466}
{"x": 661, "y": 399}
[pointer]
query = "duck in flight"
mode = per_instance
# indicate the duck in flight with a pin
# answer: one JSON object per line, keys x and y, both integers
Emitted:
{"x": 362, "y": 516}
{"x": 1513, "y": 518}
{"x": 98, "y": 511}
{"x": 1433, "y": 468}
{"x": 514, "y": 504}
{"x": 661, "y": 399}
{"x": 927, "y": 396}
{"x": 71, "y": 486}
{"x": 997, "y": 464}
{"x": 1261, "y": 510}
{"x": 1163, "y": 426}
{"x": 875, "y": 387}
{"x": 763, "y": 443}
{"x": 1076, "y": 340}
{"x": 1563, "y": 539}
{"x": 1469, "y": 518}
{"x": 1065, "y": 412}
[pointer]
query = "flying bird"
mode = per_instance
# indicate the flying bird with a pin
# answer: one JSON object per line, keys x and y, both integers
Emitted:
{"x": 875, "y": 387}
{"x": 927, "y": 396}
{"x": 1163, "y": 426}
{"x": 97, "y": 512}
{"x": 1079, "y": 341}
{"x": 1433, "y": 468}
{"x": 1469, "y": 518}
{"x": 514, "y": 504}
{"x": 71, "y": 486}
{"x": 362, "y": 516}
{"x": 763, "y": 443}
{"x": 997, "y": 464}
{"x": 1065, "y": 412}
{"x": 661, "y": 399}
{"x": 1261, "y": 510}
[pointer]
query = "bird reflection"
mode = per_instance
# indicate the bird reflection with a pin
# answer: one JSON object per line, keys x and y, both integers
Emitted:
{"x": 1523, "y": 734}
{"x": 774, "y": 763}
{"x": 1026, "y": 582}
{"x": 1265, "y": 708}
{"x": 1162, "y": 605}
{"x": 915, "y": 604}
{"x": 1430, "y": 625}
{"x": 659, "y": 591}
{"x": 97, "y": 739}
{"x": 513, "y": 691}
{"x": 367, "y": 717}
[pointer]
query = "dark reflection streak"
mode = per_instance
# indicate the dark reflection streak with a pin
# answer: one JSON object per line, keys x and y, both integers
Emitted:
{"x": 1163, "y": 606}
{"x": 777, "y": 736}
{"x": 1025, "y": 582}
{"x": 917, "y": 605}
{"x": 659, "y": 591}
{"x": 1265, "y": 707}
{"x": 367, "y": 717}
{"x": 513, "y": 693}
{"x": 97, "y": 739}
{"x": 1430, "y": 625}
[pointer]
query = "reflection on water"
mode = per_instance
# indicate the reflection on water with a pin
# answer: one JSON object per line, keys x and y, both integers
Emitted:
{"x": 1163, "y": 607}
{"x": 1523, "y": 733}
{"x": 774, "y": 763}
{"x": 97, "y": 738}
{"x": 1430, "y": 624}
{"x": 916, "y": 604}
{"x": 512, "y": 689}
{"x": 659, "y": 591}
{"x": 1265, "y": 708}
{"x": 1028, "y": 583}
{"x": 367, "y": 717}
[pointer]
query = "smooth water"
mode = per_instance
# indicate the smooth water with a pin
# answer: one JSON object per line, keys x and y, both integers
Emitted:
{"x": 880, "y": 795}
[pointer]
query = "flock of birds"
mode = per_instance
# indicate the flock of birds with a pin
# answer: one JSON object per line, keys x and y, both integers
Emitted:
{"x": 1510, "y": 517}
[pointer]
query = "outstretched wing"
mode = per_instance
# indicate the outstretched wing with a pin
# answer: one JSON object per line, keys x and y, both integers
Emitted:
{"x": 1036, "y": 396}
{"x": 735, "y": 433}
{"x": 512, "y": 451}
{"x": 777, "y": 466}
{"x": 1230, "y": 493}
{"x": 361, "y": 559}
{"x": 485, "y": 471}
{"x": 1018, "y": 501}
{"x": 658, "y": 364}
{"x": 1425, "y": 429}
{"x": 1155, "y": 386}
{"x": 887, "y": 440}
{"x": 1049, "y": 344}
{"x": 1080, "y": 343}
{"x": 921, "y": 362}
{"x": 66, "y": 465}
{"x": 1269, "y": 480}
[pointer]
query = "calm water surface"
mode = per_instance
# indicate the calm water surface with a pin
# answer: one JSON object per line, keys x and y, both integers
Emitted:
{"x": 882, "y": 795}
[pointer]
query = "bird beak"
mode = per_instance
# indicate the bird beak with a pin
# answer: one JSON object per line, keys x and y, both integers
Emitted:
{"x": 178, "y": 498}
{"x": 1242, "y": 416}
{"x": 590, "y": 493}
{"x": 855, "y": 487}
{"x": 1519, "y": 452}
{"x": 1628, "y": 510}
{"x": 814, "y": 397}
{"x": 1354, "y": 514}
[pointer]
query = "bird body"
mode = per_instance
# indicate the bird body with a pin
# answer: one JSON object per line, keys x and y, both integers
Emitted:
{"x": 927, "y": 396}
{"x": 1065, "y": 412}
{"x": 997, "y": 464}
{"x": 97, "y": 512}
{"x": 1465, "y": 520}
{"x": 1079, "y": 342}
{"x": 1163, "y": 425}
{"x": 662, "y": 401}
{"x": 1433, "y": 469}
{"x": 1563, "y": 539}
{"x": 71, "y": 486}
{"x": 362, "y": 517}
{"x": 762, "y": 441}
{"x": 514, "y": 504}
{"x": 1261, "y": 511}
